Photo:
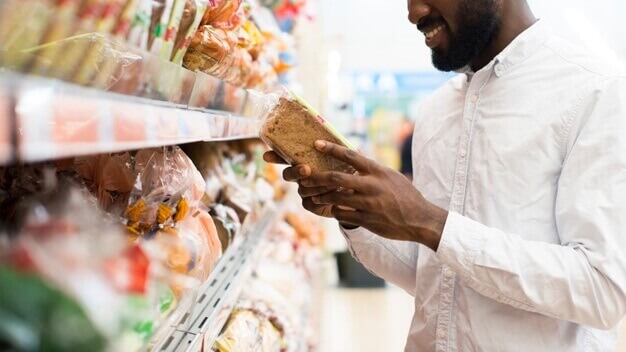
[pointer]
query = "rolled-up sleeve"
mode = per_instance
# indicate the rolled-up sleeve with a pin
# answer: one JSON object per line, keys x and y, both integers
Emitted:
{"x": 582, "y": 280}
{"x": 394, "y": 261}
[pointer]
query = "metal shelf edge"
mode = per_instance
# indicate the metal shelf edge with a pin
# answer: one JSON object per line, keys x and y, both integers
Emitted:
{"x": 221, "y": 291}
{"x": 54, "y": 119}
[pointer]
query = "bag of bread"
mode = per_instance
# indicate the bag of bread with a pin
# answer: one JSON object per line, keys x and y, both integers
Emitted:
{"x": 291, "y": 126}
{"x": 211, "y": 51}
{"x": 223, "y": 14}
{"x": 192, "y": 15}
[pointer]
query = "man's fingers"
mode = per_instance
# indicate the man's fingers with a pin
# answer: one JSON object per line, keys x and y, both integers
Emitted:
{"x": 272, "y": 157}
{"x": 334, "y": 179}
{"x": 320, "y": 210}
{"x": 353, "y": 217}
{"x": 296, "y": 173}
{"x": 306, "y": 192}
{"x": 356, "y": 160}
{"x": 343, "y": 199}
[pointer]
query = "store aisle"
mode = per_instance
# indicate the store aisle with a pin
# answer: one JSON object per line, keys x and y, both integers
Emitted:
{"x": 365, "y": 320}
{"x": 373, "y": 320}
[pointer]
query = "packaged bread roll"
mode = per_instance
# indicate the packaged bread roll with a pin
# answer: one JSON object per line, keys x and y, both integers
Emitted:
{"x": 291, "y": 127}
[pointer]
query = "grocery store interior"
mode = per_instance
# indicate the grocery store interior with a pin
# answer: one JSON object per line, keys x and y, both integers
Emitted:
{"x": 137, "y": 212}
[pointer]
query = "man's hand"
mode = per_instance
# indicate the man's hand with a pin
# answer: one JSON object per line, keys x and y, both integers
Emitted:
{"x": 298, "y": 173}
{"x": 383, "y": 200}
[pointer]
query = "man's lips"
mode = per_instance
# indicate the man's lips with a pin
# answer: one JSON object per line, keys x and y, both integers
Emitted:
{"x": 433, "y": 35}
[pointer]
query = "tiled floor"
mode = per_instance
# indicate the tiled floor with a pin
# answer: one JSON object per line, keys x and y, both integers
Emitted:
{"x": 372, "y": 320}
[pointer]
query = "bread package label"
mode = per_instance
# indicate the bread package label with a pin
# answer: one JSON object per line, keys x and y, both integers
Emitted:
{"x": 291, "y": 127}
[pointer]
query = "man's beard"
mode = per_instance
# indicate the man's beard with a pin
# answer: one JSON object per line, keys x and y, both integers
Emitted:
{"x": 477, "y": 25}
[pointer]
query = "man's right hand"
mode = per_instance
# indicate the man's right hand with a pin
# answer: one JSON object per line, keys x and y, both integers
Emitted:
{"x": 297, "y": 174}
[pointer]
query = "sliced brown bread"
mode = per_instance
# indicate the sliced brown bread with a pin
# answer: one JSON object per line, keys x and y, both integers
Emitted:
{"x": 291, "y": 131}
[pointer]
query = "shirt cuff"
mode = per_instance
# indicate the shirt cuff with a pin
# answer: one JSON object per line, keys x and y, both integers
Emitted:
{"x": 461, "y": 240}
{"x": 359, "y": 234}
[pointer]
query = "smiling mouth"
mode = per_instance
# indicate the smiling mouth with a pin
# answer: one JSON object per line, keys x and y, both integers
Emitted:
{"x": 434, "y": 32}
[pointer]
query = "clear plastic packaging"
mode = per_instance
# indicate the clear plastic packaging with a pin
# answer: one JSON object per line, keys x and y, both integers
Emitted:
{"x": 242, "y": 333}
{"x": 105, "y": 61}
{"x": 139, "y": 32}
{"x": 164, "y": 29}
{"x": 161, "y": 11}
{"x": 23, "y": 24}
{"x": 125, "y": 22}
{"x": 163, "y": 192}
{"x": 227, "y": 223}
{"x": 223, "y": 14}
{"x": 108, "y": 64}
{"x": 109, "y": 177}
{"x": 290, "y": 127}
{"x": 191, "y": 18}
{"x": 211, "y": 51}
{"x": 67, "y": 241}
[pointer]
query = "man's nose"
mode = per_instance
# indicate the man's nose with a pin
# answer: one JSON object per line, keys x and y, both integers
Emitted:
{"x": 418, "y": 9}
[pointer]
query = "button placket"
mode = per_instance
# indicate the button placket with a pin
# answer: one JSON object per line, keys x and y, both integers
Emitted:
{"x": 457, "y": 202}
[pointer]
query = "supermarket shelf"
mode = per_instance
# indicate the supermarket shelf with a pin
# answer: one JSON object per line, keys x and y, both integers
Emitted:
{"x": 56, "y": 120}
{"x": 198, "y": 329}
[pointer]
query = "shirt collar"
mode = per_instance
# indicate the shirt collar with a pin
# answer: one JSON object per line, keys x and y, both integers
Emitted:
{"x": 517, "y": 51}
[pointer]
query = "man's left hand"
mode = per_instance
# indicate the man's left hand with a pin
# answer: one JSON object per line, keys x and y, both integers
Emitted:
{"x": 383, "y": 200}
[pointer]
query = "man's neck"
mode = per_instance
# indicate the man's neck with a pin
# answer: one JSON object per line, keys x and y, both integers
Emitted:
{"x": 516, "y": 18}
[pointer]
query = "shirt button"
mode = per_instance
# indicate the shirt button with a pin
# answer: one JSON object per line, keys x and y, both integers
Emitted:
{"x": 474, "y": 98}
{"x": 499, "y": 69}
{"x": 463, "y": 153}
{"x": 448, "y": 273}
{"x": 442, "y": 334}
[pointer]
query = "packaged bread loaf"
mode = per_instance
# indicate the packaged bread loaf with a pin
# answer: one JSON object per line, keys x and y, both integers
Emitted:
{"x": 291, "y": 127}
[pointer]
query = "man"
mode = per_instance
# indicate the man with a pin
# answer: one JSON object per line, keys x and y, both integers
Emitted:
{"x": 512, "y": 238}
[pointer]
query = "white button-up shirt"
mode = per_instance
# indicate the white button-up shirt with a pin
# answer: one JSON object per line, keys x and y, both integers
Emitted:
{"x": 529, "y": 156}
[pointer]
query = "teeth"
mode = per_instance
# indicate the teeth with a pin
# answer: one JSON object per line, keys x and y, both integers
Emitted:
{"x": 434, "y": 32}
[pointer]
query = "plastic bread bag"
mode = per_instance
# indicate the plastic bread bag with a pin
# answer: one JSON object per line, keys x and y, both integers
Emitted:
{"x": 270, "y": 333}
{"x": 163, "y": 44}
{"x": 105, "y": 25}
{"x": 227, "y": 224}
{"x": 222, "y": 14}
{"x": 192, "y": 16}
{"x": 106, "y": 60}
{"x": 87, "y": 20}
{"x": 139, "y": 33}
{"x": 211, "y": 51}
{"x": 69, "y": 242}
{"x": 167, "y": 188}
{"x": 22, "y": 25}
{"x": 240, "y": 70}
{"x": 290, "y": 127}
{"x": 109, "y": 177}
{"x": 61, "y": 24}
{"x": 109, "y": 17}
{"x": 192, "y": 248}
{"x": 183, "y": 256}
{"x": 125, "y": 21}
{"x": 161, "y": 12}
{"x": 241, "y": 334}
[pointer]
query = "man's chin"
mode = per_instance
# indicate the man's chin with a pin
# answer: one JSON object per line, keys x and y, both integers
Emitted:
{"x": 443, "y": 61}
